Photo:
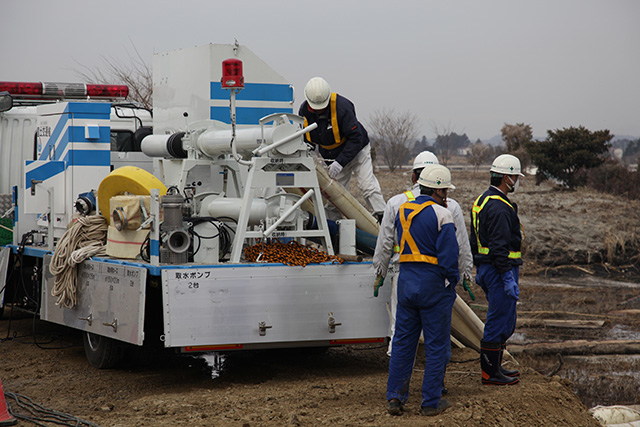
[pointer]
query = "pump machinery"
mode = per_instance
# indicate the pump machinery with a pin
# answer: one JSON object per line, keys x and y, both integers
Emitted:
{"x": 191, "y": 214}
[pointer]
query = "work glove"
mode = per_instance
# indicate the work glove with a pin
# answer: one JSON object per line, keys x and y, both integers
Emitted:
{"x": 510, "y": 285}
{"x": 466, "y": 285}
{"x": 334, "y": 169}
{"x": 376, "y": 285}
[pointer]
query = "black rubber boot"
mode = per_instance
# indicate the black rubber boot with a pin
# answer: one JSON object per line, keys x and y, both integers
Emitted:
{"x": 507, "y": 372}
{"x": 490, "y": 353}
{"x": 443, "y": 404}
{"x": 395, "y": 407}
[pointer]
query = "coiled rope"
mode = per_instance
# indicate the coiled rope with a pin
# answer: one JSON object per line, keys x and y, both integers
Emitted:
{"x": 85, "y": 238}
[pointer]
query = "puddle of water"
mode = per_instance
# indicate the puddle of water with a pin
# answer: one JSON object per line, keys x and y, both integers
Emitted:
{"x": 604, "y": 379}
{"x": 216, "y": 362}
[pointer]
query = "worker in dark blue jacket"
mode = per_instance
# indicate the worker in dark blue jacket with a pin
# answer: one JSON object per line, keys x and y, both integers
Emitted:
{"x": 428, "y": 261}
{"x": 342, "y": 138}
{"x": 496, "y": 242}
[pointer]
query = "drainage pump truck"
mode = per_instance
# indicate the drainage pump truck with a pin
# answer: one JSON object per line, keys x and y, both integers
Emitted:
{"x": 214, "y": 222}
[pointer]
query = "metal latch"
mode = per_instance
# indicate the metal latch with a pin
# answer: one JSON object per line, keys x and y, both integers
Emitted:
{"x": 262, "y": 328}
{"x": 89, "y": 319}
{"x": 113, "y": 324}
{"x": 34, "y": 182}
{"x": 333, "y": 324}
{"x": 146, "y": 222}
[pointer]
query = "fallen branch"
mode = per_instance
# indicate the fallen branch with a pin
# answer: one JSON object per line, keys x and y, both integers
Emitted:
{"x": 572, "y": 313}
{"x": 560, "y": 323}
{"x": 558, "y": 366}
{"x": 576, "y": 347}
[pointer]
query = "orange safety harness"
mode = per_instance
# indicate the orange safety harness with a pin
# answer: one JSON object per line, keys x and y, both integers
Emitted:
{"x": 407, "y": 239}
{"x": 334, "y": 126}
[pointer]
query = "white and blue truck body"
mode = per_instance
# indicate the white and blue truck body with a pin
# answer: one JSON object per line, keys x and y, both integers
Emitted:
{"x": 225, "y": 158}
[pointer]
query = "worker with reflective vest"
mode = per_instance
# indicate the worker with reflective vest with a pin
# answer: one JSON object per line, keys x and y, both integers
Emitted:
{"x": 496, "y": 243}
{"x": 342, "y": 138}
{"x": 428, "y": 259}
{"x": 387, "y": 247}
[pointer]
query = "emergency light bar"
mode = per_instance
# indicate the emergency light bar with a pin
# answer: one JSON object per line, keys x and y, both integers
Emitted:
{"x": 64, "y": 90}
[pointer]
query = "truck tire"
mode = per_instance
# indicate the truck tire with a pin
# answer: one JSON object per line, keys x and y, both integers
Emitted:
{"x": 102, "y": 352}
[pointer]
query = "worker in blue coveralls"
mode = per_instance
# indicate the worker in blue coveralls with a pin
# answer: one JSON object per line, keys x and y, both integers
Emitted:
{"x": 428, "y": 275}
{"x": 496, "y": 240}
{"x": 342, "y": 138}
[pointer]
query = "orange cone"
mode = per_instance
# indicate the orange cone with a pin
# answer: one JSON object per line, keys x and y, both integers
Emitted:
{"x": 6, "y": 419}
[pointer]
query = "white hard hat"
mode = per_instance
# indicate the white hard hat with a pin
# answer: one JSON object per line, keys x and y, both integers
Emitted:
{"x": 318, "y": 93}
{"x": 506, "y": 164}
{"x": 425, "y": 158}
{"x": 435, "y": 176}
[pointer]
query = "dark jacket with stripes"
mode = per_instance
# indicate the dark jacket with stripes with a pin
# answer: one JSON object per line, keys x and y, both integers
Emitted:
{"x": 499, "y": 231}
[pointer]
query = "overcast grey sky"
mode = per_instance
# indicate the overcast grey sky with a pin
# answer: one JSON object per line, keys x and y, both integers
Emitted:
{"x": 470, "y": 65}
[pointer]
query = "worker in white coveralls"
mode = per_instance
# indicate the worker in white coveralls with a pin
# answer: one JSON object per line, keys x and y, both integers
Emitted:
{"x": 342, "y": 138}
{"x": 496, "y": 241}
{"x": 428, "y": 260}
{"x": 387, "y": 247}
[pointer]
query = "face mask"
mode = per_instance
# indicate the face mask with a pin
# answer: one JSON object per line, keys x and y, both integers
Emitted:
{"x": 513, "y": 187}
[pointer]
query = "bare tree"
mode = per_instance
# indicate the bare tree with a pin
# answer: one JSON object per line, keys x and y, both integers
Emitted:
{"x": 135, "y": 73}
{"x": 393, "y": 136}
{"x": 517, "y": 139}
{"x": 444, "y": 142}
{"x": 480, "y": 154}
{"x": 516, "y": 136}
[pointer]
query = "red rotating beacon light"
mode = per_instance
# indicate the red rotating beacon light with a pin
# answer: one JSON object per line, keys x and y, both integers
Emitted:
{"x": 232, "y": 77}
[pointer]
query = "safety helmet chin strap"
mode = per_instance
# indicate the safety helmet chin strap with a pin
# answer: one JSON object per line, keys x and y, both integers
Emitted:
{"x": 443, "y": 199}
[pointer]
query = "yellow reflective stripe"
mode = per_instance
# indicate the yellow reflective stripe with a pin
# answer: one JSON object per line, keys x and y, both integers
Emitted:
{"x": 418, "y": 258}
{"x": 512, "y": 255}
{"x": 475, "y": 211}
{"x": 396, "y": 249}
{"x": 415, "y": 255}
{"x": 334, "y": 118}
{"x": 307, "y": 135}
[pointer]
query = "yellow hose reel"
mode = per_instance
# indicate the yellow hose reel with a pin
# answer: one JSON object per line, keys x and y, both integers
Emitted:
{"x": 126, "y": 180}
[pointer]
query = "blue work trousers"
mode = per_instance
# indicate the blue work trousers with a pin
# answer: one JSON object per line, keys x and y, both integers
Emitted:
{"x": 422, "y": 307}
{"x": 502, "y": 314}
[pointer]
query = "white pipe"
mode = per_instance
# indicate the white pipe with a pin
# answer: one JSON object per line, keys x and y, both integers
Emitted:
{"x": 155, "y": 145}
{"x": 215, "y": 141}
{"x": 230, "y": 207}
{"x": 287, "y": 213}
{"x": 261, "y": 151}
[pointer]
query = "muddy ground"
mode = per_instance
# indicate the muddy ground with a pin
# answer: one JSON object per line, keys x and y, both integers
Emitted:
{"x": 582, "y": 264}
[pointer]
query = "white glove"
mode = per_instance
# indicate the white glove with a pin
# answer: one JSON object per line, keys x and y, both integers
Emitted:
{"x": 335, "y": 169}
{"x": 467, "y": 276}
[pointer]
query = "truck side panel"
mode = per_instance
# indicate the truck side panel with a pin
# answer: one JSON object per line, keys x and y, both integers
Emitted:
{"x": 226, "y": 305}
{"x": 111, "y": 300}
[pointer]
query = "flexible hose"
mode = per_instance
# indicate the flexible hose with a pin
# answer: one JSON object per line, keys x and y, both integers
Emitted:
{"x": 85, "y": 238}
